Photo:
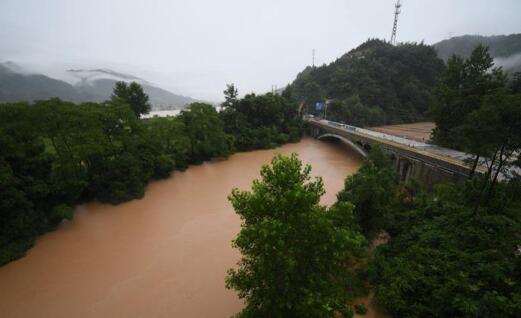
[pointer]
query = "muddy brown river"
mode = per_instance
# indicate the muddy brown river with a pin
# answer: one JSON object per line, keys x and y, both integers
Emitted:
{"x": 165, "y": 255}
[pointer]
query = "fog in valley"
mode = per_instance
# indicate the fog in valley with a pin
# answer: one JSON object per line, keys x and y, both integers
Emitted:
{"x": 194, "y": 48}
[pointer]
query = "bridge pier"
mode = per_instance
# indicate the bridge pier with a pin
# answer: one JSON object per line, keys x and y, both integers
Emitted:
{"x": 407, "y": 168}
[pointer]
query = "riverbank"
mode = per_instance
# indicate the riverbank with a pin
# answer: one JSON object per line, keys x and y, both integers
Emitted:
{"x": 164, "y": 255}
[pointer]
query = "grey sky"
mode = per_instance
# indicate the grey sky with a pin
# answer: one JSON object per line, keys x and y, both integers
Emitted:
{"x": 194, "y": 47}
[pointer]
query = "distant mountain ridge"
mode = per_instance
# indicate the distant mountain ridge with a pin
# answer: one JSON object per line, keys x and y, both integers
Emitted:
{"x": 94, "y": 85}
{"x": 506, "y": 49}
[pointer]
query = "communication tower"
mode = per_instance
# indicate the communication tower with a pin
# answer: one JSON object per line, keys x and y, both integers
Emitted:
{"x": 397, "y": 11}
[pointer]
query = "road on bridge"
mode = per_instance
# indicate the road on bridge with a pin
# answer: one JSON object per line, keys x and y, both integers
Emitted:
{"x": 450, "y": 156}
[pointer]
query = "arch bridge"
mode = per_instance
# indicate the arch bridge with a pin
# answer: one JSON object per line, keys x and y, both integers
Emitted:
{"x": 410, "y": 159}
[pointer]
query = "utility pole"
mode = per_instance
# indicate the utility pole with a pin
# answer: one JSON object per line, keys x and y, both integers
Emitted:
{"x": 313, "y": 58}
{"x": 326, "y": 103}
{"x": 397, "y": 11}
{"x": 325, "y": 111}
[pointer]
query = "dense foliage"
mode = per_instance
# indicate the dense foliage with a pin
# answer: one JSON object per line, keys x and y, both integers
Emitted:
{"x": 453, "y": 252}
{"x": 462, "y": 90}
{"x": 205, "y": 131}
{"x": 56, "y": 154}
{"x": 372, "y": 191}
{"x": 446, "y": 257}
{"x": 260, "y": 121}
{"x": 448, "y": 260}
{"x": 296, "y": 253}
{"x": 133, "y": 95}
{"x": 381, "y": 82}
{"x": 479, "y": 111}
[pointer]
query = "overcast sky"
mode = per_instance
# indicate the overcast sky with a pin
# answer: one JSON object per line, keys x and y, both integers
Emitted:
{"x": 195, "y": 47}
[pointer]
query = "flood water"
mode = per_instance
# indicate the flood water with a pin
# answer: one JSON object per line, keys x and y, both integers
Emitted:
{"x": 165, "y": 255}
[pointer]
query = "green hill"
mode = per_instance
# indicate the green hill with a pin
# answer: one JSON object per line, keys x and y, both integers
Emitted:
{"x": 376, "y": 83}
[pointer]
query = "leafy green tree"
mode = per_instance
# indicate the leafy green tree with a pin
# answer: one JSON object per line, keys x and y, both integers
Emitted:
{"x": 121, "y": 171}
{"x": 478, "y": 112}
{"x": 287, "y": 93}
{"x": 371, "y": 190}
{"x": 515, "y": 83}
{"x": 205, "y": 130}
{"x": 313, "y": 94}
{"x": 230, "y": 95}
{"x": 296, "y": 253}
{"x": 493, "y": 132}
{"x": 168, "y": 135}
{"x": 351, "y": 111}
{"x": 133, "y": 95}
{"x": 262, "y": 121}
{"x": 461, "y": 91}
{"x": 26, "y": 193}
{"x": 72, "y": 134}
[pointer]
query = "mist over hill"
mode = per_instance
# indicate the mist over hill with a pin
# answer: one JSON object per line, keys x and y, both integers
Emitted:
{"x": 92, "y": 85}
{"x": 505, "y": 49}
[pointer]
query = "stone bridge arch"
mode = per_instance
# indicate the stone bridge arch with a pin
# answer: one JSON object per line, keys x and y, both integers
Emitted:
{"x": 360, "y": 149}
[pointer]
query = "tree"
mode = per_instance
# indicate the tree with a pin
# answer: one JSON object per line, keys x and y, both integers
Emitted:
{"x": 168, "y": 135}
{"x": 371, "y": 190}
{"x": 351, "y": 111}
{"x": 462, "y": 90}
{"x": 478, "y": 112}
{"x": 262, "y": 121}
{"x": 133, "y": 95}
{"x": 230, "y": 96}
{"x": 515, "y": 83}
{"x": 205, "y": 130}
{"x": 493, "y": 132}
{"x": 296, "y": 253}
{"x": 313, "y": 94}
{"x": 27, "y": 199}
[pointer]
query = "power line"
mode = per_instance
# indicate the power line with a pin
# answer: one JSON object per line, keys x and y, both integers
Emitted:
{"x": 397, "y": 11}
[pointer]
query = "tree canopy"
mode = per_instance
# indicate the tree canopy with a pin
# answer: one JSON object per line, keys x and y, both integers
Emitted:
{"x": 444, "y": 258}
{"x": 295, "y": 252}
{"x": 133, "y": 95}
{"x": 56, "y": 154}
{"x": 261, "y": 121}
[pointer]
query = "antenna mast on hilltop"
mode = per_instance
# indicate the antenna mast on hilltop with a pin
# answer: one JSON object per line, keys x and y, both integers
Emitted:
{"x": 397, "y": 12}
{"x": 313, "y": 58}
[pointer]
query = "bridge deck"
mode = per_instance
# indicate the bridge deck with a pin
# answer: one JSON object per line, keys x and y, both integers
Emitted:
{"x": 450, "y": 156}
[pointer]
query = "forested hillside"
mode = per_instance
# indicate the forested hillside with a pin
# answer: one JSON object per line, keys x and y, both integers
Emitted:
{"x": 505, "y": 49}
{"x": 375, "y": 83}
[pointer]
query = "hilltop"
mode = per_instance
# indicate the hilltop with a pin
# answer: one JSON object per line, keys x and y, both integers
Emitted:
{"x": 375, "y": 83}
